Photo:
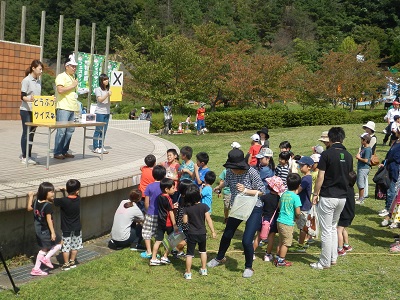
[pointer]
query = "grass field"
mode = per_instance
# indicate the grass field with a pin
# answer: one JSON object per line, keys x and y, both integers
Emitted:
{"x": 368, "y": 272}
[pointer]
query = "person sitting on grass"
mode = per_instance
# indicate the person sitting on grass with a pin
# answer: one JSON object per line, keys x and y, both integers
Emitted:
{"x": 289, "y": 209}
{"x": 346, "y": 217}
{"x": 126, "y": 230}
{"x": 166, "y": 220}
{"x": 195, "y": 214}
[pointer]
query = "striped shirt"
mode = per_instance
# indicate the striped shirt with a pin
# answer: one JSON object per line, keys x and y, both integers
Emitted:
{"x": 250, "y": 179}
{"x": 282, "y": 172}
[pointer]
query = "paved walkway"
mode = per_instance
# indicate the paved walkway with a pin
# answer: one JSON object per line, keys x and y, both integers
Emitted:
{"x": 117, "y": 170}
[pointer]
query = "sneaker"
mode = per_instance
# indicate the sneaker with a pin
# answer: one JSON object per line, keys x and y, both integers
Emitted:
{"x": 72, "y": 264}
{"x": 300, "y": 249}
{"x": 248, "y": 273}
{"x": 214, "y": 262}
{"x": 155, "y": 262}
{"x": 67, "y": 155}
{"x": 384, "y": 131}
{"x": 268, "y": 257}
{"x": 317, "y": 266}
{"x": 187, "y": 276}
{"x": 341, "y": 252}
{"x": 165, "y": 260}
{"x": 180, "y": 254}
{"x": 383, "y": 213}
{"x": 97, "y": 151}
{"x": 348, "y": 248}
{"x": 105, "y": 151}
{"x": 47, "y": 262}
{"x": 394, "y": 244}
{"x": 145, "y": 255}
{"x": 138, "y": 248}
{"x": 30, "y": 161}
{"x": 38, "y": 272}
{"x": 385, "y": 223}
{"x": 65, "y": 267}
{"x": 360, "y": 201}
{"x": 393, "y": 226}
{"x": 203, "y": 272}
{"x": 254, "y": 257}
{"x": 283, "y": 263}
{"x": 58, "y": 156}
{"x": 310, "y": 241}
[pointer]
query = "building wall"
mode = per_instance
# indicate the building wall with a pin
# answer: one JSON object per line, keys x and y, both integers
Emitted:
{"x": 15, "y": 58}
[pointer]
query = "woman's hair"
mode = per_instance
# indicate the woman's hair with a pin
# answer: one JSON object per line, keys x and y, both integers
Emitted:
{"x": 43, "y": 190}
{"x": 135, "y": 195}
{"x": 103, "y": 77}
{"x": 193, "y": 195}
{"x": 34, "y": 64}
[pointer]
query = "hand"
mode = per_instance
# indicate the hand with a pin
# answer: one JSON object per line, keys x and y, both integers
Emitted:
{"x": 176, "y": 205}
{"x": 358, "y": 156}
{"x": 380, "y": 166}
{"x": 53, "y": 236}
{"x": 74, "y": 83}
{"x": 109, "y": 93}
{"x": 315, "y": 199}
{"x": 214, "y": 235}
{"x": 30, "y": 194}
{"x": 240, "y": 187}
{"x": 176, "y": 229}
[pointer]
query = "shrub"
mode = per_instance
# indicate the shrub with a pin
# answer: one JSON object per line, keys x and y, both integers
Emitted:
{"x": 255, "y": 119}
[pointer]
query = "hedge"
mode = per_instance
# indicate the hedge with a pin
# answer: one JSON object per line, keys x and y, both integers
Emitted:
{"x": 255, "y": 119}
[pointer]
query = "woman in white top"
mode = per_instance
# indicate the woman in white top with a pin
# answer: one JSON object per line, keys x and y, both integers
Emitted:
{"x": 30, "y": 86}
{"x": 102, "y": 112}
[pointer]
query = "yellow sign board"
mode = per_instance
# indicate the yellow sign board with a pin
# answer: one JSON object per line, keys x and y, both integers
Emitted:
{"x": 44, "y": 110}
{"x": 117, "y": 80}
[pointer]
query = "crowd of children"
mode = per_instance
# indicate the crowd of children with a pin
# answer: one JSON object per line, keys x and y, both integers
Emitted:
{"x": 175, "y": 197}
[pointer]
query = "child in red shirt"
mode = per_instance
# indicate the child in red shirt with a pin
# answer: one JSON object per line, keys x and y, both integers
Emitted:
{"x": 147, "y": 173}
{"x": 254, "y": 149}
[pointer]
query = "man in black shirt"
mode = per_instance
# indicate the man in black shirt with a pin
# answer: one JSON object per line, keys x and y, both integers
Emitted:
{"x": 331, "y": 187}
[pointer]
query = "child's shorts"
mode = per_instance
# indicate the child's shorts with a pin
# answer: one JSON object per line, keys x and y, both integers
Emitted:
{"x": 285, "y": 234}
{"x": 227, "y": 201}
{"x": 362, "y": 175}
{"x": 192, "y": 240}
{"x": 71, "y": 241}
{"x": 302, "y": 220}
{"x": 44, "y": 239}
{"x": 161, "y": 231}
{"x": 149, "y": 226}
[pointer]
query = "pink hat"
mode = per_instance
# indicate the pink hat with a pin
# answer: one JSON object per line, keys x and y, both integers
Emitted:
{"x": 276, "y": 184}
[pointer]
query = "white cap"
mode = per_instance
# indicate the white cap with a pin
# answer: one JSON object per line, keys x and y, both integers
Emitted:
{"x": 265, "y": 152}
{"x": 71, "y": 60}
{"x": 255, "y": 137}
{"x": 235, "y": 145}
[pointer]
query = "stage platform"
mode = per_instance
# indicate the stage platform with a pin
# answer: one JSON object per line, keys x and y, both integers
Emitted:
{"x": 118, "y": 170}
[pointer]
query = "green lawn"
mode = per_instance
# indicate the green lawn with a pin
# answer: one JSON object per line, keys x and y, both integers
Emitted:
{"x": 368, "y": 272}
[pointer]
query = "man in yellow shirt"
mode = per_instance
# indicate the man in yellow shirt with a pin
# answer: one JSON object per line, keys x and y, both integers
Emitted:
{"x": 66, "y": 105}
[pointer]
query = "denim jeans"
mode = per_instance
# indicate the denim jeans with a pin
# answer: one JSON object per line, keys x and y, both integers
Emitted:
{"x": 390, "y": 194}
{"x": 134, "y": 239}
{"x": 329, "y": 210}
{"x": 63, "y": 135}
{"x": 252, "y": 225}
{"x": 97, "y": 133}
{"x": 26, "y": 116}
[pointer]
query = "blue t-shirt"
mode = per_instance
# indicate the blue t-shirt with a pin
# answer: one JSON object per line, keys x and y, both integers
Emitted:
{"x": 202, "y": 173}
{"x": 305, "y": 194}
{"x": 206, "y": 196}
{"x": 190, "y": 166}
{"x": 289, "y": 201}
{"x": 366, "y": 152}
{"x": 266, "y": 172}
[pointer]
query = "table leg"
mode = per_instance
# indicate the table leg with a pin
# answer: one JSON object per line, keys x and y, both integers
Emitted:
{"x": 84, "y": 141}
{"x": 48, "y": 149}
{"x": 27, "y": 146}
{"x": 102, "y": 142}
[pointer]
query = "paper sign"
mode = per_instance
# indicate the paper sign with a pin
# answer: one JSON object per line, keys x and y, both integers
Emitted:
{"x": 44, "y": 110}
{"x": 116, "y": 83}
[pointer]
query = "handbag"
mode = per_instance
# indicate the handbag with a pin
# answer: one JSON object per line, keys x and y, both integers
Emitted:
{"x": 311, "y": 226}
{"x": 243, "y": 206}
{"x": 375, "y": 160}
{"x": 266, "y": 226}
{"x": 381, "y": 177}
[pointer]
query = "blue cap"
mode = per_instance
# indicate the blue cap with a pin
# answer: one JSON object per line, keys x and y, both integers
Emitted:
{"x": 305, "y": 160}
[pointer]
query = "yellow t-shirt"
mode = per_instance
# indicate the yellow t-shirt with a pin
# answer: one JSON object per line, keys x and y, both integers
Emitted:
{"x": 66, "y": 101}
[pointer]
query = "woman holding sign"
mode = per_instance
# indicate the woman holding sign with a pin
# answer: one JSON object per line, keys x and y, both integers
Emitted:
{"x": 102, "y": 112}
{"x": 30, "y": 86}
